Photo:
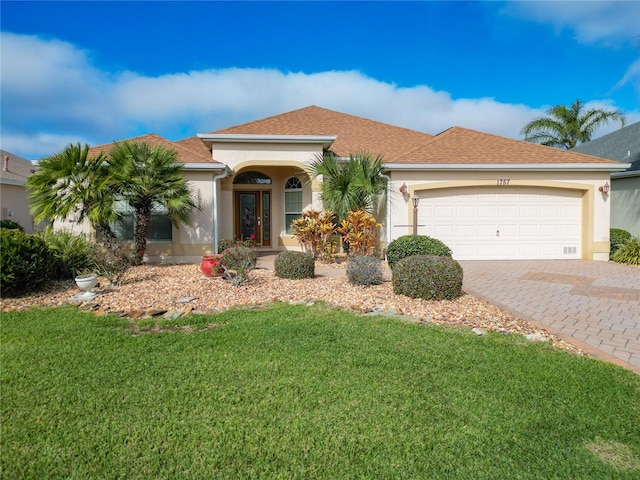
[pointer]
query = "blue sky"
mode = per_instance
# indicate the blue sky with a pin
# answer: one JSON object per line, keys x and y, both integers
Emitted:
{"x": 96, "y": 72}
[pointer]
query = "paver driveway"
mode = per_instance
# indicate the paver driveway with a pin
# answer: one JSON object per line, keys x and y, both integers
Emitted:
{"x": 597, "y": 303}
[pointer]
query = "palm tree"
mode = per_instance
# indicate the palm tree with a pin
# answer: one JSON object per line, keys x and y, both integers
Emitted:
{"x": 150, "y": 176}
{"x": 349, "y": 185}
{"x": 72, "y": 183}
{"x": 564, "y": 127}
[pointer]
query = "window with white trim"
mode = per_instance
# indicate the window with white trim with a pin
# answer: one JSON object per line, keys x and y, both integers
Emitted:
{"x": 292, "y": 202}
{"x": 160, "y": 230}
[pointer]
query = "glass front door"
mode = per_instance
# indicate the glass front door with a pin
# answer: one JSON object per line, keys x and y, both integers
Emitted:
{"x": 253, "y": 217}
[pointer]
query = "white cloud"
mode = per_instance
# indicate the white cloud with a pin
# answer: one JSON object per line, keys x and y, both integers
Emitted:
{"x": 52, "y": 94}
{"x": 610, "y": 22}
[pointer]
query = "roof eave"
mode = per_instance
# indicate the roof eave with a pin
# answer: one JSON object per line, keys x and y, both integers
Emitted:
{"x": 633, "y": 173}
{"x": 205, "y": 167}
{"x": 573, "y": 167}
{"x": 325, "y": 140}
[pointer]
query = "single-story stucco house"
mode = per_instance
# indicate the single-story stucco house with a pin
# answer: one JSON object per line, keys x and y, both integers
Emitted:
{"x": 622, "y": 145}
{"x": 14, "y": 199}
{"x": 485, "y": 196}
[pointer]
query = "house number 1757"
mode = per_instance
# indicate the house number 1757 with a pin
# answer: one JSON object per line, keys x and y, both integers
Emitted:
{"x": 503, "y": 181}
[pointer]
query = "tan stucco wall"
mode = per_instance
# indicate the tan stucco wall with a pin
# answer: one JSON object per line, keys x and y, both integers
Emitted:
{"x": 595, "y": 206}
{"x": 625, "y": 204}
{"x": 14, "y": 205}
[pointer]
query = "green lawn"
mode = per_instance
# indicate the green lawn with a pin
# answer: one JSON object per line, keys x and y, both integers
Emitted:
{"x": 304, "y": 392}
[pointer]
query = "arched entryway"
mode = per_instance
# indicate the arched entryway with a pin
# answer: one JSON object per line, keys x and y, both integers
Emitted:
{"x": 252, "y": 207}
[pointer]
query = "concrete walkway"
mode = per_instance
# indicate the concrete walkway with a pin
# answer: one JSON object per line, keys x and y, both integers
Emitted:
{"x": 594, "y": 305}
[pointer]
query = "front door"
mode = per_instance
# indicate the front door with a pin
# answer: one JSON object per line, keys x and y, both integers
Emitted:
{"x": 253, "y": 217}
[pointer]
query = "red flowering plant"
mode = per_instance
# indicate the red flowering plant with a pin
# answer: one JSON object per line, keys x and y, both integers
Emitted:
{"x": 239, "y": 260}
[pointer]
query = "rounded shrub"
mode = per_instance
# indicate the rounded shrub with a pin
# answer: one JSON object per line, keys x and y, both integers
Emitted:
{"x": 408, "y": 245}
{"x": 364, "y": 270}
{"x": 430, "y": 277}
{"x": 617, "y": 238}
{"x": 25, "y": 262}
{"x": 295, "y": 265}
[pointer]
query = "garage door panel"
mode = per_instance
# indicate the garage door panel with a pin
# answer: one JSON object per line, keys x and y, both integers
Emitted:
{"x": 486, "y": 231}
{"x": 528, "y": 231}
{"x": 528, "y": 211}
{"x": 487, "y": 211}
{"x": 532, "y": 222}
{"x": 444, "y": 211}
{"x": 465, "y": 230}
{"x": 549, "y": 231}
{"x": 465, "y": 211}
{"x": 507, "y": 211}
{"x": 550, "y": 211}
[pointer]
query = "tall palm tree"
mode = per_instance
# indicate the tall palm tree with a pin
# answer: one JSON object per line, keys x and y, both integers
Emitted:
{"x": 349, "y": 185}
{"x": 72, "y": 183}
{"x": 149, "y": 176}
{"x": 564, "y": 127}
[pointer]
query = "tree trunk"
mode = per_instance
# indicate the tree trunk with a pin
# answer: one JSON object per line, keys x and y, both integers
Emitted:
{"x": 141, "y": 233}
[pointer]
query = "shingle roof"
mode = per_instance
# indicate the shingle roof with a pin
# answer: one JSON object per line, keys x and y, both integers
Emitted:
{"x": 186, "y": 153}
{"x": 198, "y": 147}
{"x": 459, "y": 145}
{"x": 622, "y": 145}
{"x": 354, "y": 133}
{"x": 18, "y": 168}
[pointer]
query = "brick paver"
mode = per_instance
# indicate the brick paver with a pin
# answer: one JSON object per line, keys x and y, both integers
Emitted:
{"x": 595, "y": 305}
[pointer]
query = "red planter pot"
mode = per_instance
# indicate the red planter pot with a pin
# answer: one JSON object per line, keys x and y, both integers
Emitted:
{"x": 211, "y": 266}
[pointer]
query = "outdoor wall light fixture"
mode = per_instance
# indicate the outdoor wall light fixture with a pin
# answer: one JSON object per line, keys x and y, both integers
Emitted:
{"x": 403, "y": 189}
{"x": 604, "y": 188}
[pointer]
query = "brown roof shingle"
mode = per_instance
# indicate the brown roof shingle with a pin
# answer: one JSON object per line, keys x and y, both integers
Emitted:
{"x": 354, "y": 133}
{"x": 459, "y": 145}
{"x": 186, "y": 152}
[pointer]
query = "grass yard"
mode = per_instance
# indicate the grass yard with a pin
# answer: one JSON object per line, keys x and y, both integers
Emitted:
{"x": 303, "y": 392}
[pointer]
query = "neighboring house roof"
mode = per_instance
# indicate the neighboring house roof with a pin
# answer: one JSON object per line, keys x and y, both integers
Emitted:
{"x": 622, "y": 145}
{"x": 353, "y": 133}
{"x": 14, "y": 170}
{"x": 186, "y": 153}
{"x": 459, "y": 145}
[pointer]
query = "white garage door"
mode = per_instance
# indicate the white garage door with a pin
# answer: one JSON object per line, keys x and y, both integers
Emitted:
{"x": 485, "y": 223}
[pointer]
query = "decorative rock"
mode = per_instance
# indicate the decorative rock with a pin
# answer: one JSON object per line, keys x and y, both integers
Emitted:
{"x": 185, "y": 299}
{"x": 173, "y": 314}
{"x": 479, "y": 331}
{"x": 536, "y": 337}
{"x": 135, "y": 314}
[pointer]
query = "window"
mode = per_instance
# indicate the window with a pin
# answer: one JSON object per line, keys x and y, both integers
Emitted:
{"x": 292, "y": 202}
{"x": 160, "y": 230}
{"x": 252, "y": 178}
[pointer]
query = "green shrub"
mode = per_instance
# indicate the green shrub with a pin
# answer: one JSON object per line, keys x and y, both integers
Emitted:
{"x": 73, "y": 253}
{"x": 240, "y": 259}
{"x": 364, "y": 270}
{"x": 11, "y": 225}
{"x": 617, "y": 238}
{"x": 430, "y": 277}
{"x": 408, "y": 245}
{"x": 628, "y": 252}
{"x": 25, "y": 262}
{"x": 294, "y": 265}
